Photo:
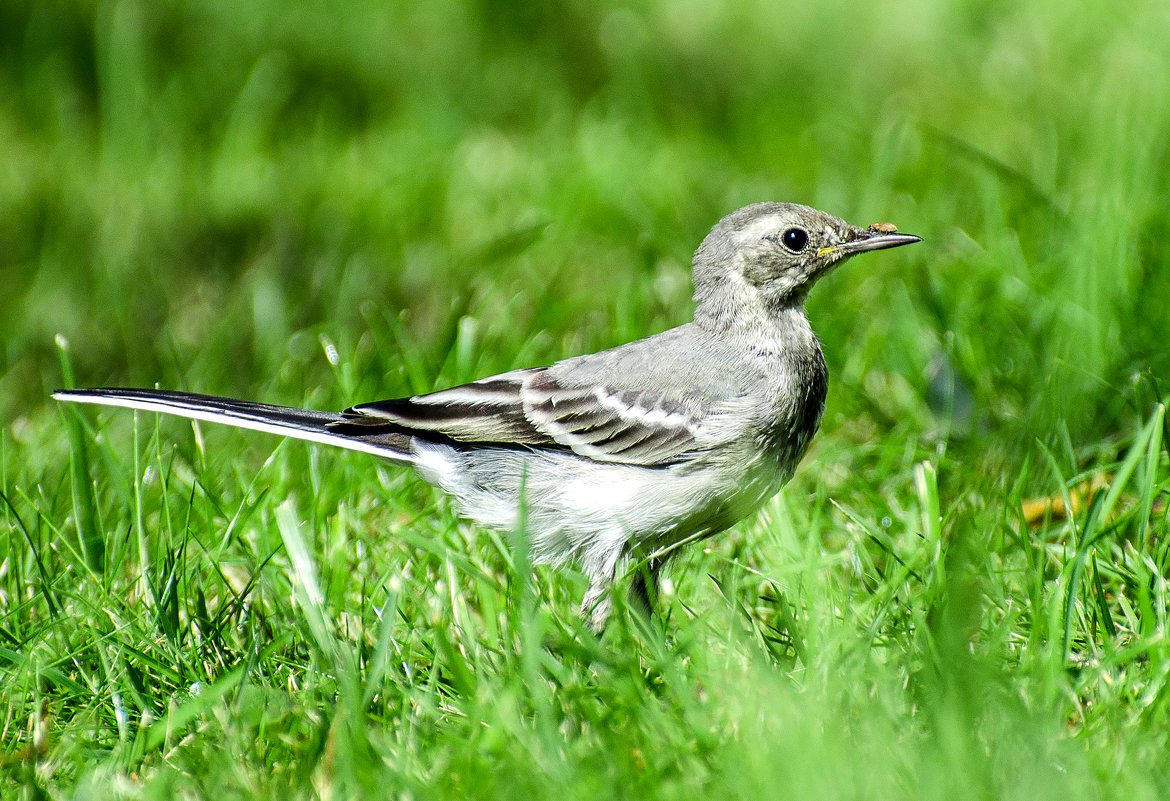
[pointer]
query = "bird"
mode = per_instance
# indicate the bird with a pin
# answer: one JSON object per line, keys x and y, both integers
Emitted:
{"x": 621, "y": 457}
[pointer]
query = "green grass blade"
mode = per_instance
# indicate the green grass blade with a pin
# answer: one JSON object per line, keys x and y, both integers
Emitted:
{"x": 92, "y": 542}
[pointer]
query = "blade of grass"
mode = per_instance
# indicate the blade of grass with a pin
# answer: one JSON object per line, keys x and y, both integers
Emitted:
{"x": 305, "y": 584}
{"x": 92, "y": 545}
{"x": 1149, "y": 473}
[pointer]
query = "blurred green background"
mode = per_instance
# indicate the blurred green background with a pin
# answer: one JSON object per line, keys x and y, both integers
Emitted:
{"x": 198, "y": 190}
{"x": 216, "y": 196}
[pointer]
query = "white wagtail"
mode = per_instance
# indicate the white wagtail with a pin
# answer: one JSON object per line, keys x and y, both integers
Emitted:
{"x": 624, "y": 454}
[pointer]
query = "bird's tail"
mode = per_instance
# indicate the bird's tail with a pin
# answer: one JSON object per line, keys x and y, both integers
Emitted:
{"x": 284, "y": 420}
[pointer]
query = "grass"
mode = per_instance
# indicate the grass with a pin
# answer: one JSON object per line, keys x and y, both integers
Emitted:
{"x": 314, "y": 205}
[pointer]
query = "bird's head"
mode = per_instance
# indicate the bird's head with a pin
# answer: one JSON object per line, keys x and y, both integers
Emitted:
{"x": 765, "y": 257}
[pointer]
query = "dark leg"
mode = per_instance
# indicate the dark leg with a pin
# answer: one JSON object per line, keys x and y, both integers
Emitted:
{"x": 644, "y": 585}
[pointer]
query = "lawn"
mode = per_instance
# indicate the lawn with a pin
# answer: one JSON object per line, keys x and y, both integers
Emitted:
{"x": 963, "y": 593}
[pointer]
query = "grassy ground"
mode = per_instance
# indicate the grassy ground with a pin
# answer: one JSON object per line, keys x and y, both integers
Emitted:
{"x": 316, "y": 204}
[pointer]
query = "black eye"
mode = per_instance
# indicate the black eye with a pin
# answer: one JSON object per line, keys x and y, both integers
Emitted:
{"x": 795, "y": 239}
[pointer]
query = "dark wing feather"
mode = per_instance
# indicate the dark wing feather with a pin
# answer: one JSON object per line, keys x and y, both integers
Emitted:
{"x": 532, "y": 408}
{"x": 485, "y": 411}
{"x": 625, "y": 426}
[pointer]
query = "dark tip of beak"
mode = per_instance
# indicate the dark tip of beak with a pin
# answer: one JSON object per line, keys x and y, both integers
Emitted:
{"x": 875, "y": 241}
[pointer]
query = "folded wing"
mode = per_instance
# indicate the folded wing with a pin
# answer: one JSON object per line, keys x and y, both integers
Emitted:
{"x": 533, "y": 408}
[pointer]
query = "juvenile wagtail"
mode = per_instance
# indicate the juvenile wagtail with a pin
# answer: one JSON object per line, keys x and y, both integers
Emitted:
{"x": 624, "y": 454}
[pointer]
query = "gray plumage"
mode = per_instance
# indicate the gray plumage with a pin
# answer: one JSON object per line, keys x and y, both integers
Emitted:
{"x": 626, "y": 453}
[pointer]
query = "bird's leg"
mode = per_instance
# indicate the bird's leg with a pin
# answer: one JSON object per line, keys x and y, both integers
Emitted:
{"x": 597, "y": 603}
{"x": 644, "y": 585}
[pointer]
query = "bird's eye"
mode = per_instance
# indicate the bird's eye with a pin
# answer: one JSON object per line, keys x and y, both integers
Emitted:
{"x": 795, "y": 239}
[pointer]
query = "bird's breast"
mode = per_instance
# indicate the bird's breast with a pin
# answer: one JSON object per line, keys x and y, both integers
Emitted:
{"x": 802, "y": 383}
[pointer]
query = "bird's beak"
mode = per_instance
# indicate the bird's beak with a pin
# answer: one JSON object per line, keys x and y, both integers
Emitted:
{"x": 867, "y": 241}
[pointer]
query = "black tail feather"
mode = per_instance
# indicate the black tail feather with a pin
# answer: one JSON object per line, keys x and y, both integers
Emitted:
{"x": 288, "y": 421}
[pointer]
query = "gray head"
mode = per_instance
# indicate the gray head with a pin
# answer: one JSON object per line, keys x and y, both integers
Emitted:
{"x": 764, "y": 258}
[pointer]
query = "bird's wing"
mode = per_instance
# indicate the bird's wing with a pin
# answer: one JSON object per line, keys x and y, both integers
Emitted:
{"x": 535, "y": 408}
